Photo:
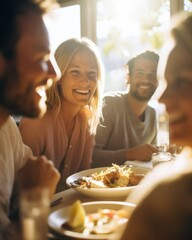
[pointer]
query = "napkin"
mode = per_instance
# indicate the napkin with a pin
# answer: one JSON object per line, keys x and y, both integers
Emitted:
{"x": 137, "y": 163}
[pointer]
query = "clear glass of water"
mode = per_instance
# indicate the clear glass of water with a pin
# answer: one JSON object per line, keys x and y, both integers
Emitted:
{"x": 34, "y": 209}
{"x": 160, "y": 157}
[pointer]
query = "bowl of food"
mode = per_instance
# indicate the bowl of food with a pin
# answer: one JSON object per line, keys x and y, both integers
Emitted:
{"x": 108, "y": 183}
{"x": 91, "y": 220}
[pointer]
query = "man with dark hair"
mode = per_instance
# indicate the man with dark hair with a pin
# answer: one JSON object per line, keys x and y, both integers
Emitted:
{"x": 129, "y": 127}
{"x": 23, "y": 49}
{"x": 25, "y": 73}
{"x": 147, "y": 55}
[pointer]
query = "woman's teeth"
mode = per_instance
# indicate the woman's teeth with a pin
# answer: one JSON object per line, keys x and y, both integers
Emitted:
{"x": 82, "y": 91}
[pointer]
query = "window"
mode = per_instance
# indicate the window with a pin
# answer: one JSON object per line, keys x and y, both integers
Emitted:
{"x": 125, "y": 28}
{"x": 63, "y": 23}
{"x": 120, "y": 28}
{"x": 188, "y": 6}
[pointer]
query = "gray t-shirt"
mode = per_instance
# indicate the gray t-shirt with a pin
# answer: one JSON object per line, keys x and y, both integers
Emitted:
{"x": 121, "y": 129}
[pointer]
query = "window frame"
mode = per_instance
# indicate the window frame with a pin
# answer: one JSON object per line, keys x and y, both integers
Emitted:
{"x": 89, "y": 18}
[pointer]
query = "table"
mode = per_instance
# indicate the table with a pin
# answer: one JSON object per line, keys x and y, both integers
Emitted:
{"x": 68, "y": 197}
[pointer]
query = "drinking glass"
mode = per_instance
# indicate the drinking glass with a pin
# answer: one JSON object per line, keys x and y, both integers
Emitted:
{"x": 160, "y": 157}
{"x": 34, "y": 209}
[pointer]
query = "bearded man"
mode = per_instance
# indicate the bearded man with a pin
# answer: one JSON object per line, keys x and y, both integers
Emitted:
{"x": 128, "y": 130}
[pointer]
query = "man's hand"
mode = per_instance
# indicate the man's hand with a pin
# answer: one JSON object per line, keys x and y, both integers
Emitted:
{"x": 38, "y": 172}
{"x": 142, "y": 152}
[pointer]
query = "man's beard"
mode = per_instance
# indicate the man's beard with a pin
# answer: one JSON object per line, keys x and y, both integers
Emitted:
{"x": 14, "y": 101}
{"x": 142, "y": 97}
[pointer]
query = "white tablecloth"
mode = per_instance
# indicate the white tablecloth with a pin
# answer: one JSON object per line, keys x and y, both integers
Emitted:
{"x": 137, "y": 163}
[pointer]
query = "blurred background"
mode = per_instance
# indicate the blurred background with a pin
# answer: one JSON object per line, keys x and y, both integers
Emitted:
{"x": 121, "y": 29}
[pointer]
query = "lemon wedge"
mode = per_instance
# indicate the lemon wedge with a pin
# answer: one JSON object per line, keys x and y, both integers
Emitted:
{"x": 76, "y": 215}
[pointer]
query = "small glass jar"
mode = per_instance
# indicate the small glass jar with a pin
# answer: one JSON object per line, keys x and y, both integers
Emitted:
{"x": 160, "y": 157}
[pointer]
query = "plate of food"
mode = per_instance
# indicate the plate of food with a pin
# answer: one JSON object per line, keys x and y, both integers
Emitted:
{"x": 108, "y": 183}
{"x": 91, "y": 220}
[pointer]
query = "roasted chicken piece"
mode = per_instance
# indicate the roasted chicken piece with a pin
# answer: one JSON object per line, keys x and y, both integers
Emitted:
{"x": 135, "y": 178}
{"x": 122, "y": 181}
{"x": 111, "y": 176}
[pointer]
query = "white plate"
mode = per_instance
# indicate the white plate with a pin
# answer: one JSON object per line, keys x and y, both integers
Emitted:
{"x": 58, "y": 217}
{"x": 103, "y": 193}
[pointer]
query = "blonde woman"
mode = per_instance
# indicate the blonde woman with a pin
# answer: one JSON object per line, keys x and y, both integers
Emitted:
{"x": 66, "y": 133}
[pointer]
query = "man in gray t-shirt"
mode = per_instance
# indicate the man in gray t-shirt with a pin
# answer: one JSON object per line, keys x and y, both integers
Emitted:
{"x": 128, "y": 130}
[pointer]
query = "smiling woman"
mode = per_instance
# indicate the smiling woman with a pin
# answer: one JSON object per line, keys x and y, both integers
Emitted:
{"x": 80, "y": 78}
{"x": 65, "y": 133}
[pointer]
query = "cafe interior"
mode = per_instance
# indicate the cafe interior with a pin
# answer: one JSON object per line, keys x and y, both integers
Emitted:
{"x": 92, "y": 206}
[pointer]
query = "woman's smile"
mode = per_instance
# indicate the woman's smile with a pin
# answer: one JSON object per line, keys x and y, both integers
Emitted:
{"x": 82, "y": 92}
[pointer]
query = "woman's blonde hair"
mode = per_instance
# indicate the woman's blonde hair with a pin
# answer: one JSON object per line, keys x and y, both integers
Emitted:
{"x": 63, "y": 56}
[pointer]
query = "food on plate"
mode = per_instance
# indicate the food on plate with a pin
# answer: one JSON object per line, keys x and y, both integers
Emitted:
{"x": 112, "y": 177}
{"x": 76, "y": 215}
{"x": 104, "y": 221}
{"x": 135, "y": 179}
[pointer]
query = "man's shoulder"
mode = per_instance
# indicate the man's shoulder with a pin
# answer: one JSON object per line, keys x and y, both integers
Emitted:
{"x": 151, "y": 109}
{"x": 10, "y": 125}
{"x": 9, "y": 133}
{"x": 115, "y": 96}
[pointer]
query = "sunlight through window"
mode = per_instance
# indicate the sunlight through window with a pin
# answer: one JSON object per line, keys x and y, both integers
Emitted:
{"x": 63, "y": 23}
{"x": 125, "y": 28}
